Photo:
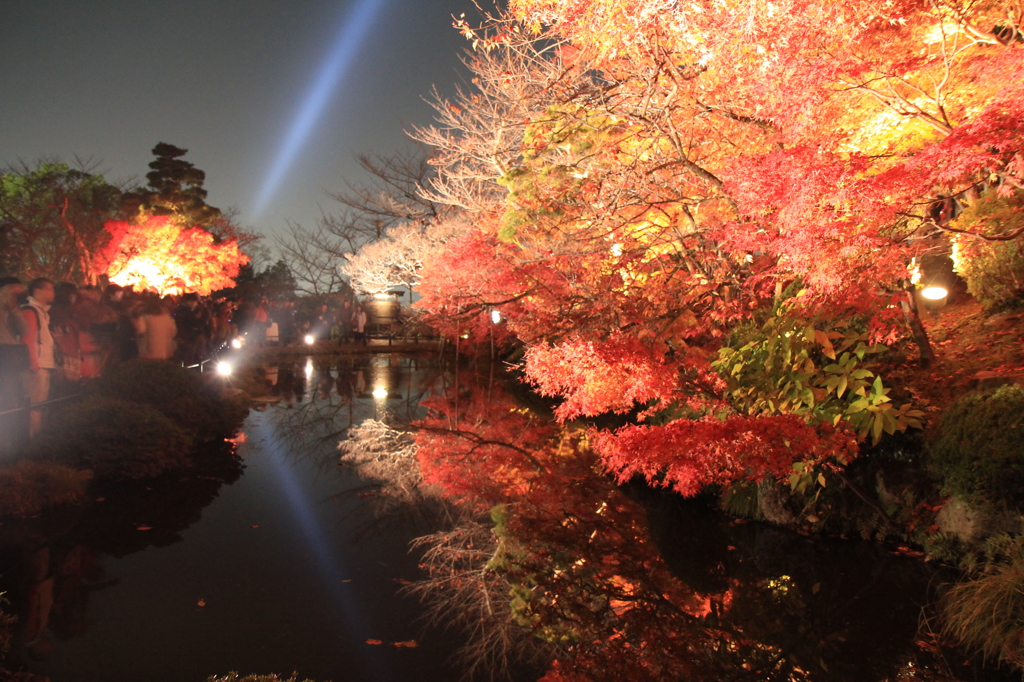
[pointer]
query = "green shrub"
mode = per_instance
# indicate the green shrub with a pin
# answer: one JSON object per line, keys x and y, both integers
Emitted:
{"x": 186, "y": 397}
{"x": 978, "y": 454}
{"x": 986, "y": 610}
{"x": 115, "y": 438}
{"x": 28, "y": 487}
{"x": 994, "y": 270}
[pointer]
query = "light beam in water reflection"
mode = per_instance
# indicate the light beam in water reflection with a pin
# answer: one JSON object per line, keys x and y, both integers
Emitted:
{"x": 331, "y": 567}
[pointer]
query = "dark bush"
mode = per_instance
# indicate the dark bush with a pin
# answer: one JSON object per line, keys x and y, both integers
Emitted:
{"x": 27, "y": 487}
{"x": 978, "y": 453}
{"x": 186, "y": 397}
{"x": 114, "y": 438}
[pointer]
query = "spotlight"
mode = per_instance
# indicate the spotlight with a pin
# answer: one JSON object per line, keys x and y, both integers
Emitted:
{"x": 309, "y": 339}
{"x": 236, "y": 343}
{"x": 380, "y": 393}
{"x": 224, "y": 368}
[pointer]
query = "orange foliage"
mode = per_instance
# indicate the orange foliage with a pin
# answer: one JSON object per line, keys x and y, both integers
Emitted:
{"x": 160, "y": 255}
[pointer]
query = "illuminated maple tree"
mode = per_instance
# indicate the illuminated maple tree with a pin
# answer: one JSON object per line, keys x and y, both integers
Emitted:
{"x": 651, "y": 184}
{"x": 160, "y": 255}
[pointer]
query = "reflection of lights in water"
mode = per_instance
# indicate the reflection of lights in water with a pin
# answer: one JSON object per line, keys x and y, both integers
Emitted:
{"x": 309, "y": 367}
{"x": 236, "y": 343}
{"x": 934, "y": 293}
{"x": 309, "y": 339}
{"x": 224, "y": 368}
{"x": 380, "y": 393}
{"x": 495, "y": 316}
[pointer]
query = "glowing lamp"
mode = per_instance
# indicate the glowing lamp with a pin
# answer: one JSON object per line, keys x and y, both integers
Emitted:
{"x": 224, "y": 368}
{"x": 236, "y": 343}
{"x": 933, "y": 299}
{"x": 309, "y": 339}
{"x": 496, "y": 316}
{"x": 380, "y": 393}
{"x": 382, "y": 297}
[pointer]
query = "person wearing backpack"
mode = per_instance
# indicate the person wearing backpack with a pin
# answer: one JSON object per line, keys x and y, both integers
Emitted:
{"x": 39, "y": 340}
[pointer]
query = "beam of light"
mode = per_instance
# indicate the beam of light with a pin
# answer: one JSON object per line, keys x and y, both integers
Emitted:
{"x": 331, "y": 566}
{"x": 334, "y": 68}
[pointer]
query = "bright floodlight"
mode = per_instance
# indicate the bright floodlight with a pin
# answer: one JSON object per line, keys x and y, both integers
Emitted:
{"x": 380, "y": 393}
{"x": 236, "y": 343}
{"x": 309, "y": 339}
{"x": 934, "y": 293}
{"x": 495, "y": 316}
{"x": 224, "y": 368}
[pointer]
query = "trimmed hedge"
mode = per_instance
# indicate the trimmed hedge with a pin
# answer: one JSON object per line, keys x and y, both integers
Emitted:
{"x": 978, "y": 453}
{"x": 116, "y": 439}
{"x": 184, "y": 396}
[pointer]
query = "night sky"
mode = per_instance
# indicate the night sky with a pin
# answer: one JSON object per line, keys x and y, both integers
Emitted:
{"x": 228, "y": 80}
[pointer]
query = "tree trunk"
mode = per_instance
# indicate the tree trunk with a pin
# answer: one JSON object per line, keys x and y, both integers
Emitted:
{"x": 909, "y": 305}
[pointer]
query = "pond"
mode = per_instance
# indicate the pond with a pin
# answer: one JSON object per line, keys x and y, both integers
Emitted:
{"x": 280, "y": 560}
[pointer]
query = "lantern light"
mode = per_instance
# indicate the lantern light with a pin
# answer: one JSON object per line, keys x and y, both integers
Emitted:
{"x": 236, "y": 343}
{"x": 380, "y": 393}
{"x": 224, "y": 368}
{"x": 934, "y": 293}
{"x": 309, "y": 339}
{"x": 496, "y": 316}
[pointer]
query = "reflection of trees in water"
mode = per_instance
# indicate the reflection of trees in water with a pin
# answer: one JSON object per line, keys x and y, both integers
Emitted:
{"x": 364, "y": 403}
{"x": 50, "y": 566}
{"x": 641, "y": 586}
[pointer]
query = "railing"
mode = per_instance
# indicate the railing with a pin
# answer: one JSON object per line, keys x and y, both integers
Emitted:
{"x": 14, "y": 424}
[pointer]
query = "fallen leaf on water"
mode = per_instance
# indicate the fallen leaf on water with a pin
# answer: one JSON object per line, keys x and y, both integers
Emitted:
{"x": 144, "y": 528}
{"x": 409, "y": 644}
{"x": 374, "y": 642}
{"x": 402, "y": 582}
{"x": 201, "y": 602}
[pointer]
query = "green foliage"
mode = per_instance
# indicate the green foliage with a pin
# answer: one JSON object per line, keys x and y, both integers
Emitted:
{"x": 986, "y": 610}
{"x": 274, "y": 282}
{"x": 115, "y": 438}
{"x": 184, "y": 396}
{"x": 28, "y": 487}
{"x": 740, "y": 499}
{"x": 51, "y": 220}
{"x": 978, "y": 453}
{"x": 175, "y": 188}
{"x": 994, "y": 270}
{"x": 790, "y": 366}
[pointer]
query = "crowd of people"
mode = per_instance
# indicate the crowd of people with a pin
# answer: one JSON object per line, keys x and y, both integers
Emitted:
{"x": 52, "y": 337}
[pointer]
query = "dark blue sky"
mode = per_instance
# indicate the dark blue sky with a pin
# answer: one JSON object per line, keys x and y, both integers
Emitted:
{"x": 108, "y": 79}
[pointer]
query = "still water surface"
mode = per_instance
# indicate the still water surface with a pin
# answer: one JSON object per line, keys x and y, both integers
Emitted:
{"x": 279, "y": 560}
{"x": 280, "y": 570}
